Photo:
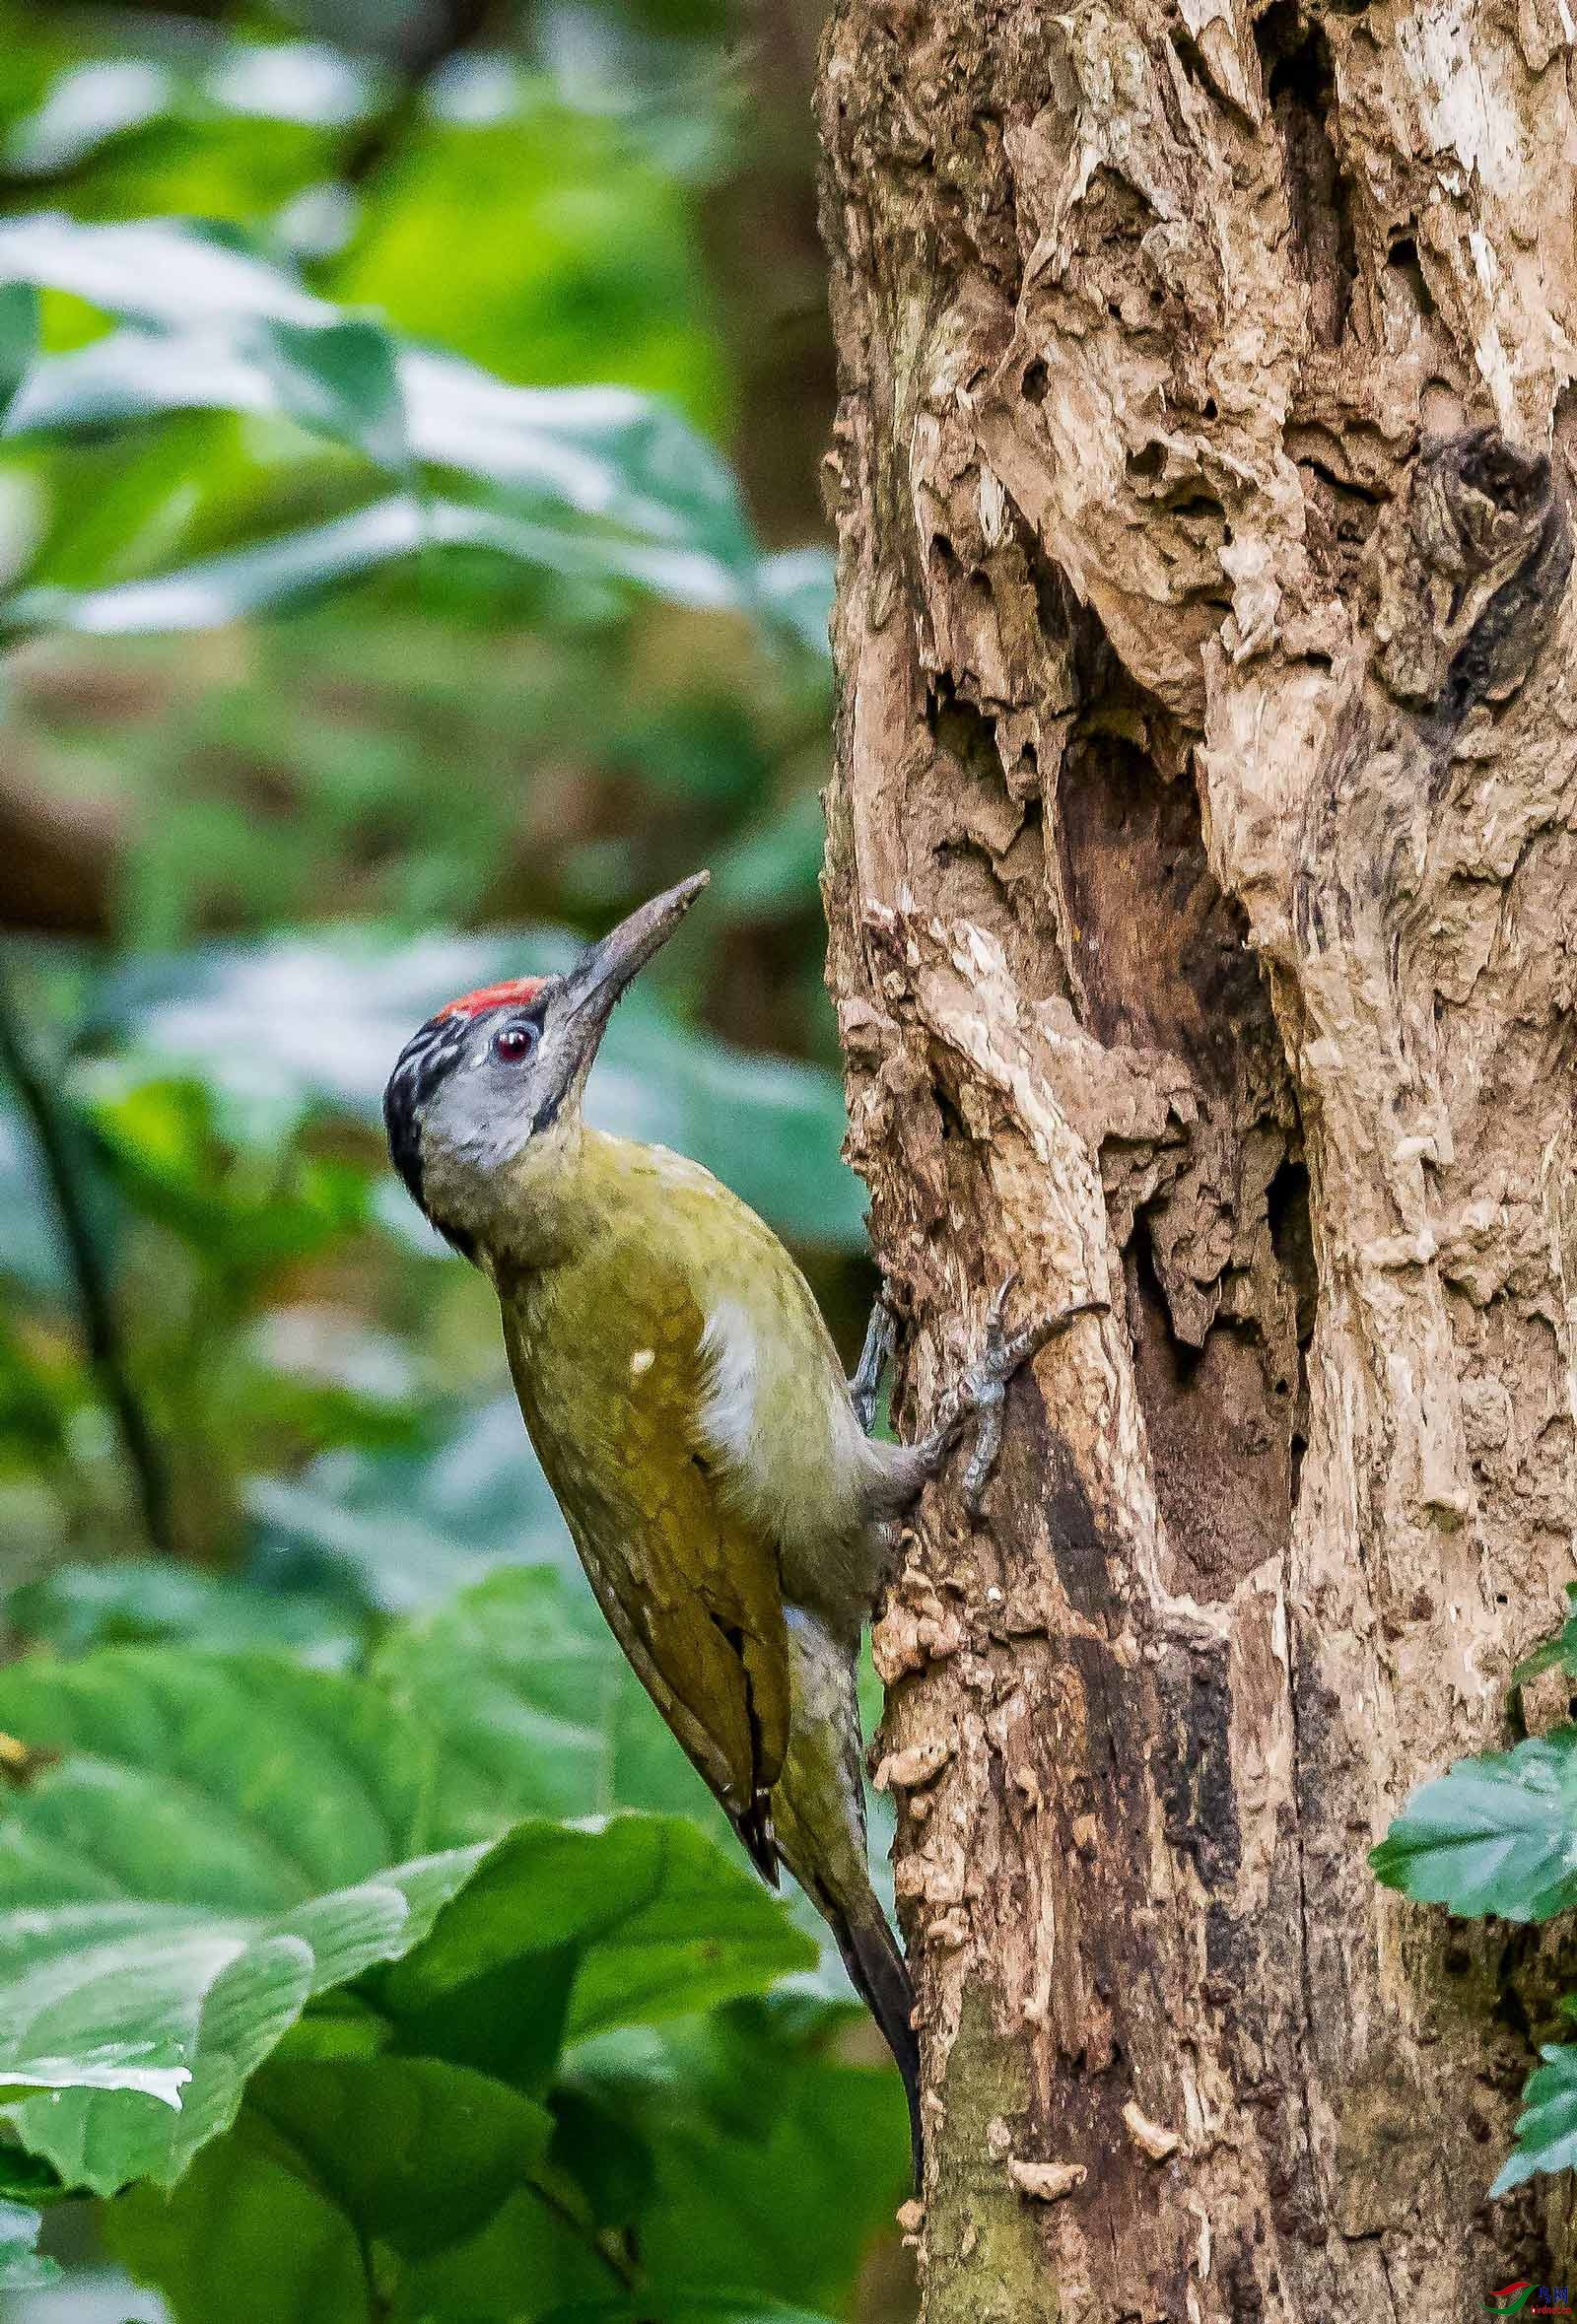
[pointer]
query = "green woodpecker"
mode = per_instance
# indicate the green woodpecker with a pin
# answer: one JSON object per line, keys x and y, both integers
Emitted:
{"x": 687, "y": 1404}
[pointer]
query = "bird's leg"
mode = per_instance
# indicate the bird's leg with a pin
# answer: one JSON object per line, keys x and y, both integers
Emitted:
{"x": 981, "y": 1395}
{"x": 882, "y": 1332}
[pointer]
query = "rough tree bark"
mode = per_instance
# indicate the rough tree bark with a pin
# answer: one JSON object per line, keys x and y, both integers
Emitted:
{"x": 1200, "y": 863}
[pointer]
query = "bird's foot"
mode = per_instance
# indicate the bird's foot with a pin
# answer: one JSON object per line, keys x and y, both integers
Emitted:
{"x": 882, "y": 1335}
{"x": 980, "y": 1398}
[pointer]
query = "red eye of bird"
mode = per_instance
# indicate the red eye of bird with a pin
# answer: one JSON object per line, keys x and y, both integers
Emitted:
{"x": 514, "y": 1042}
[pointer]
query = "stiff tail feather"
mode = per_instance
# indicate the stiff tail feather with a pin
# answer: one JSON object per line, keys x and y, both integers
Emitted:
{"x": 759, "y": 1840}
{"x": 879, "y": 1974}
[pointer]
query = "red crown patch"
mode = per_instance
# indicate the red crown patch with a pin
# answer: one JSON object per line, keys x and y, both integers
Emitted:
{"x": 509, "y": 995}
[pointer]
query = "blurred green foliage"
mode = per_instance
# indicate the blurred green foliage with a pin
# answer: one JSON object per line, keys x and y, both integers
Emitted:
{"x": 381, "y": 615}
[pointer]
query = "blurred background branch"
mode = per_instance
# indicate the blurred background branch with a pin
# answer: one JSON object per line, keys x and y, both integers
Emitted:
{"x": 67, "y": 1168}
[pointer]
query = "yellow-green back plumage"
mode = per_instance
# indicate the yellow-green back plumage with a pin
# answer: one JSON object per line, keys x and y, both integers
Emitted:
{"x": 687, "y": 1406}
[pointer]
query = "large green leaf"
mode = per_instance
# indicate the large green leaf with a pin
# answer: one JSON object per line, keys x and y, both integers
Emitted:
{"x": 537, "y": 1710}
{"x": 434, "y": 2150}
{"x": 254, "y": 1021}
{"x": 417, "y": 2151}
{"x": 601, "y": 453}
{"x": 342, "y": 377}
{"x": 755, "y": 2124}
{"x": 198, "y": 1766}
{"x": 659, "y": 1920}
{"x": 118, "y": 2066}
{"x": 251, "y": 1208}
{"x": 599, "y": 484}
{"x": 225, "y": 1838}
{"x": 219, "y": 1989}
{"x": 246, "y": 2236}
{"x": 222, "y": 1840}
{"x": 288, "y": 566}
{"x": 1497, "y": 1834}
{"x": 165, "y": 271}
{"x": 206, "y": 595}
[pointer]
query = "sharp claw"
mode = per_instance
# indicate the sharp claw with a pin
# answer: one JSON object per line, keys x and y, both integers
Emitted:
{"x": 981, "y": 1394}
{"x": 985, "y": 1386}
{"x": 989, "y": 1401}
{"x": 865, "y": 1386}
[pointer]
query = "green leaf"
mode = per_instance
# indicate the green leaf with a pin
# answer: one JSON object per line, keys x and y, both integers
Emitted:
{"x": 662, "y": 1922}
{"x": 535, "y": 1708}
{"x": 418, "y": 2153}
{"x": 118, "y": 2066}
{"x": 165, "y": 271}
{"x": 283, "y": 571}
{"x": 227, "y": 1838}
{"x": 606, "y": 2157}
{"x": 164, "y": 1146}
{"x": 607, "y": 452}
{"x": 216, "y": 590}
{"x": 138, "y": 375}
{"x": 1547, "y": 2128}
{"x": 231, "y": 332}
{"x": 75, "y": 1608}
{"x": 756, "y": 2126}
{"x": 685, "y": 2307}
{"x": 591, "y": 482}
{"x": 419, "y": 2149}
{"x": 1497, "y": 1834}
{"x": 244, "y": 2238}
{"x": 342, "y": 379}
{"x": 246, "y": 1782}
{"x": 23, "y": 2268}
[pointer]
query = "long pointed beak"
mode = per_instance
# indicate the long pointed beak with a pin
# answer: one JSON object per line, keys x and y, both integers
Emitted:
{"x": 591, "y": 989}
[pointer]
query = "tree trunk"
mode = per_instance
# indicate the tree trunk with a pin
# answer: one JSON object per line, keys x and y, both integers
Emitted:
{"x": 1201, "y": 862}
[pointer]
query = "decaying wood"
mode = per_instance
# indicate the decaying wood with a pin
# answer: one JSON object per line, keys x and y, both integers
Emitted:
{"x": 1200, "y": 867}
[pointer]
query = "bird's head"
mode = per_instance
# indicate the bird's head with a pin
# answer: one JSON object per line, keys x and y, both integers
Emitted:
{"x": 502, "y": 1069}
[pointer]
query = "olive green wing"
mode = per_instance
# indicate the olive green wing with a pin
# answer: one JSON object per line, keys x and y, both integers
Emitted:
{"x": 607, "y": 1364}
